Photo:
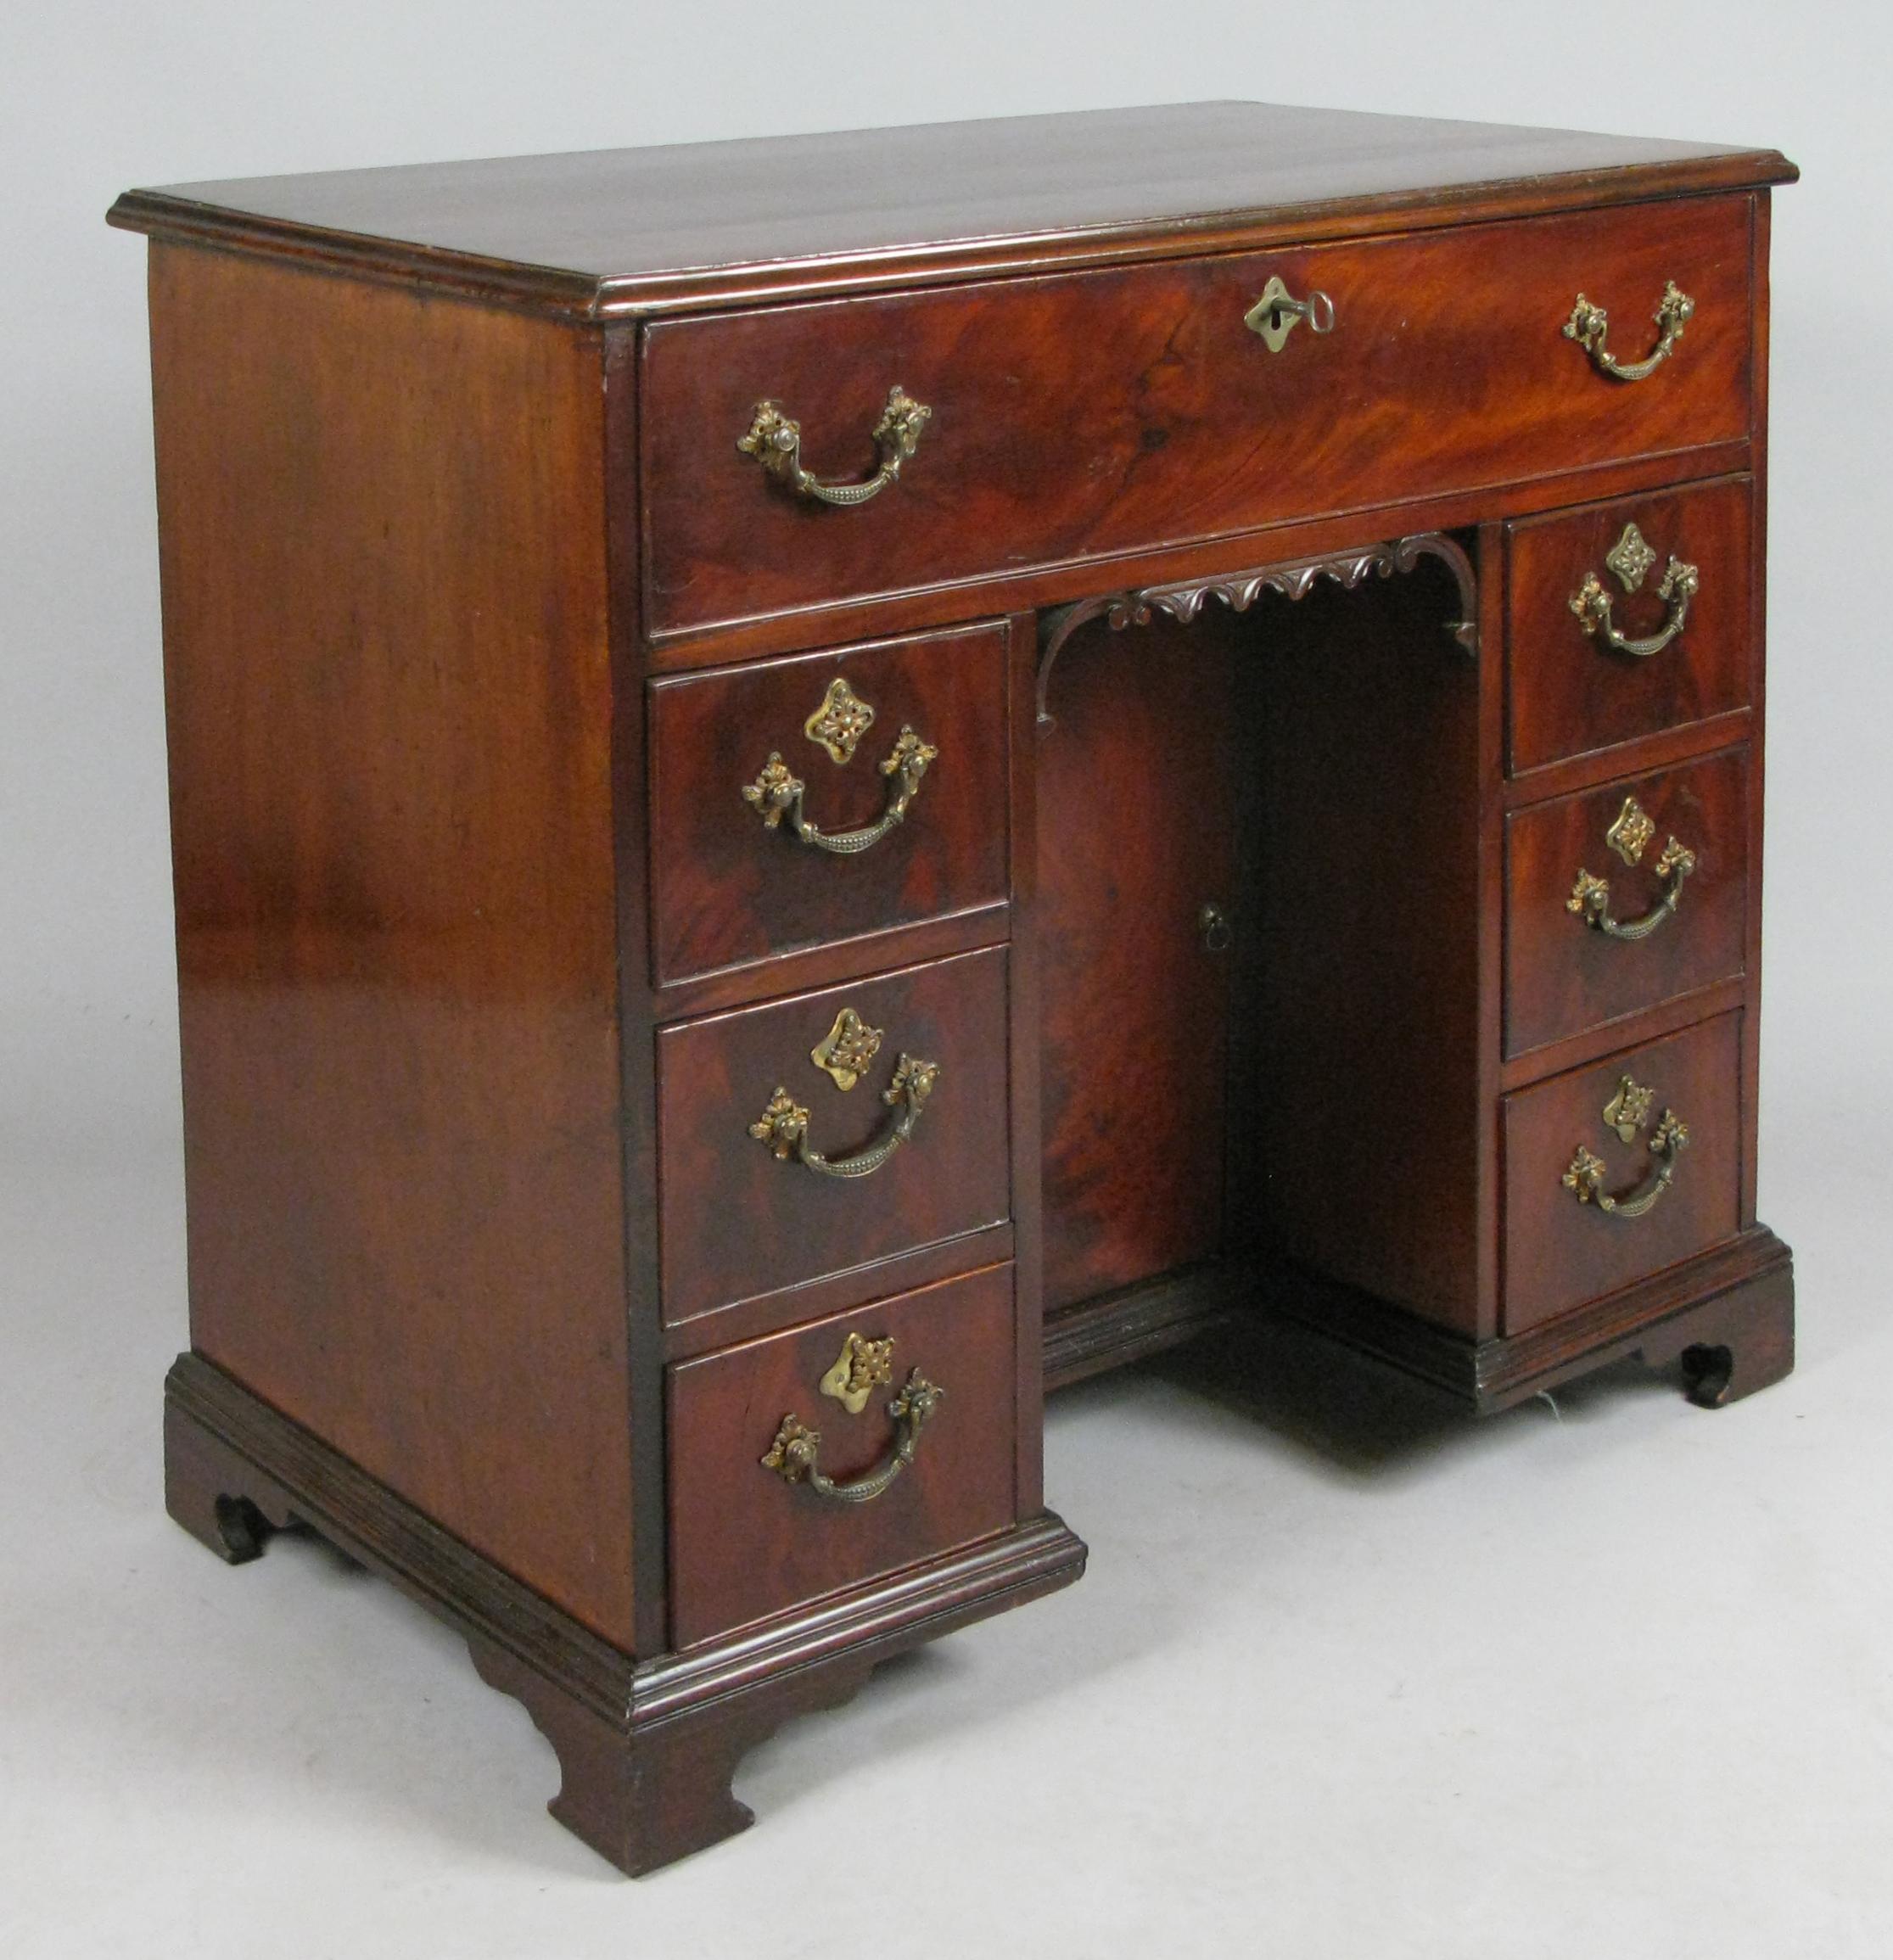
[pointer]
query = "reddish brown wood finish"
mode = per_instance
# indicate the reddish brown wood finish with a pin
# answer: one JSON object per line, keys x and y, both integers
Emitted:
{"x": 389, "y": 706}
{"x": 744, "y": 1543}
{"x": 1135, "y": 835}
{"x": 1563, "y": 975}
{"x": 1098, "y": 412}
{"x": 701, "y": 225}
{"x": 726, "y": 890}
{"x": 1559, "y": 1253}
{"x": 1572, "y": 694}
{"x": 738, "y": 1222}
{"x": 1367, "y": 1101}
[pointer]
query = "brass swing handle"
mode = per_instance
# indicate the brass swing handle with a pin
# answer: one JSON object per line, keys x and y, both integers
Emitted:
{"x": 776, "y": 793}
{"x": 774, "y": 439}
{"x": 1590, "y": 898}
{"x": 784, "y": 1124}
{"x": 792, "y": 1455}
{"x": 1592, "y": 605}
{"x": 1584, "y": 1175}
{"x": 1589, "y": 326}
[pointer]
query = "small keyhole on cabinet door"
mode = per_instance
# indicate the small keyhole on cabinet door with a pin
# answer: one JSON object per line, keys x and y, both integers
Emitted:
{"x": 1213, "y": 923}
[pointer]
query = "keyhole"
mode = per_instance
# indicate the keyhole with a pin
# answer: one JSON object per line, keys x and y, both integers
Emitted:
{"x": 1213, "y": 923}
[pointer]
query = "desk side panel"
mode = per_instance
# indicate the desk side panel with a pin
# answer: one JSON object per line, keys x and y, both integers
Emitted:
{"x": 390, "y": 702}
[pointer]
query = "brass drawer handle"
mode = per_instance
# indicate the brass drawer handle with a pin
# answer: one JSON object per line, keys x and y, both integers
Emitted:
{"x": 784, "y": 1124}
{"x": 1589, "y": 326}
{"x": 1592, "y": 605}
{"x": 1629, "y": 836}
{"x": 1626, "y": 1112}
{"x": 777, "y": 792}
{"x": 774, "y": 439}
{"x": 1274, "y": 315}
{"x": 792, "y": 1455}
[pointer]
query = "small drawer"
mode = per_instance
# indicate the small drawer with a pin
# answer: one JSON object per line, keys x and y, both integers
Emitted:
{"x": 789, "y": 807}
{"x": 1093, "y": 413}
{"x": 1619, "y": 899}
{"x": 747, "y": 1540}
{"x": 1597, "y": 1194}
{"x": 906, "y": 1158}
{"x": 1605, "y": 645}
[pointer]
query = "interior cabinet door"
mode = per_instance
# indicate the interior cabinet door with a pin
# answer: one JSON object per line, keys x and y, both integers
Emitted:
{"x": 1135, "y": 837}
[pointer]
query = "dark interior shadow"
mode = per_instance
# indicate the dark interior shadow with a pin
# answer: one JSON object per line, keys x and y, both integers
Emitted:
{"x": 1358, "y": 1415}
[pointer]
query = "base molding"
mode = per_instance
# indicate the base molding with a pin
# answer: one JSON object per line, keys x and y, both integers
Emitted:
{"x": 647, "y": 1749}
{"x": 1729, "y": 1314}
{"x": 1136, "y": 1321}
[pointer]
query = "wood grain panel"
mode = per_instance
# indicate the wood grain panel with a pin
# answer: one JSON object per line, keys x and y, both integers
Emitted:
{"x": 389, "y": 705}
{"x": 726, "y": 889}
{"x": 745, "y": 1544}
{"x": 738, "y": 1222}
{"x": 1559, "y": 1253}
{"x": 1570, "y": 694}
{"x": 1090, "y": 414}
{"x": 1563, "y": 975}
{"x": 1136, "y": 829}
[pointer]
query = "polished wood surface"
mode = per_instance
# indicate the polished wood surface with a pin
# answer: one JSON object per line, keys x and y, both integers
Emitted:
{"x": 478, "y": 623}
{"x": 738, "y": 1221}
{"x": 1572, "y": 694}
{"x": 1095, "y": 412}
{"x": 1563, "y": 975}
{"x": 390, "y": 710}
{"x": 726, "y": 890}
{"x": 1559, "y": 1253}
{"x": 697, "y": 224}
{"x": 1135, "y": 837}
{"x": 744, "y": 1543}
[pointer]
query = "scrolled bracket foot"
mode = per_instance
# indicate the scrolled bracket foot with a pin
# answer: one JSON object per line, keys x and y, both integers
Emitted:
{"x": 1730, "y": 1347}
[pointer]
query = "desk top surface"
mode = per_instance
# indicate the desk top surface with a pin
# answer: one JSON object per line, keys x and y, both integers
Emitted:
{"x": 617, "y": 231}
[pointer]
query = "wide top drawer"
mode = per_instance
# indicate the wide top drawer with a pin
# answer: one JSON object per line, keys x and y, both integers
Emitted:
{"x": 1098, "y": 412}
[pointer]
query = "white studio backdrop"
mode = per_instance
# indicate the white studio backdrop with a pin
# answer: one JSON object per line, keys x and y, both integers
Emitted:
{"x": 95, "y": 97}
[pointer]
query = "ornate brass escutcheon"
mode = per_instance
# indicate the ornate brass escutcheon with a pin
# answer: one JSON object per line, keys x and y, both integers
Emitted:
{"x": 1629, "y": 837}
{"x": 1625, "y": 1113}
{"x": 1589, "y": 326}
{"x": 1592, "y": 605}
{"x": 1631, "y": 558}
{"x": 839, "y": 722}
{"x": 777, "y": 792}
{"x": 1275, "y": 314}
{"x": 863, "y": 1365}
{"x": 846, "y": 1048}
{"x": 774, "y": 439}
{"x": 792, "y": 1455}
{"x": 784, "y": 1124}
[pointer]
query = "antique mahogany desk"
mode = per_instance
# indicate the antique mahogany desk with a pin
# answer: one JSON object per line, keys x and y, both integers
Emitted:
{"x": 816, "y": 783}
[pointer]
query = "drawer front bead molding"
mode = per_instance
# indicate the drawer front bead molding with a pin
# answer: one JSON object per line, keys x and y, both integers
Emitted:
{"x": 792, "y": 1455}
{"x": 1294, "y": 579}
{"x": 784, "y": 1124}
{"x": 777, "y": 792}
{"x": 1589, "y": 326}
{"x": 774, "y": 439}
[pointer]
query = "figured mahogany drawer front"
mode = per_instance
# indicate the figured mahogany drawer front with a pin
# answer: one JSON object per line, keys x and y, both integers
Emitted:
{"x": 1624, "y": 897}
{"x": 1600, "y": 652}
{"x": 743, "y": 1104}
{"x": 892, "y": 1433}
{"x": 1110, "y": 412}
{"x": 819, "y": 798}
{"x": 1599, "y": 1192}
